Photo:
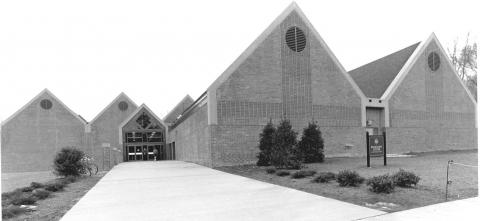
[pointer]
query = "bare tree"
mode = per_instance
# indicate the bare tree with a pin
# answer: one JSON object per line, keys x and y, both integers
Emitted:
{"x": 464, "y": 59}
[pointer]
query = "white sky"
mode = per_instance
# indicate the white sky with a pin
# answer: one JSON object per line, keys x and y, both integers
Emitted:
{"x": 87, "y": 52}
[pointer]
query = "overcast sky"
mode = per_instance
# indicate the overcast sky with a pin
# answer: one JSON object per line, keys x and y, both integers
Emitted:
{"x": 87, "y": 52}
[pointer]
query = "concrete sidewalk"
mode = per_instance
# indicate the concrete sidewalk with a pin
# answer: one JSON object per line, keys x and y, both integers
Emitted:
{"x": 466, "y": 209}
{"x": 174, "y": 190}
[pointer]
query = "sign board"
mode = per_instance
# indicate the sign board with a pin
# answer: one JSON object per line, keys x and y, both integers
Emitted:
{"x": 376, "y": 145}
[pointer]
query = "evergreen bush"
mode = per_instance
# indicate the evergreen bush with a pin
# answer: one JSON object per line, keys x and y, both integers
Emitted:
{"x": 68, "y": 162}
{"x": 349, "y": 178}
{"x": 266, "y": 145}
{"x": 284, "y": 154}
{"x": 311, "y": 144}
{"x": 324, "y": 177}
{"x": 282, "y": 173}
{"x": 404, "y": 178}
{"x": 303, "y": 173}
{"x": 381, "y": 184}
{"x": 271, "y": 170}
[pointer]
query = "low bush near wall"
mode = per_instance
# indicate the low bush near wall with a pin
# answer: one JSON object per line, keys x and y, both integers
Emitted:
{"x": 381, "y": 184}
{"x": 349, "y": 178}
{"x": 404, "y": 178}
{"x": 11, "y": 211}
{"x": 283, "y": 173}
{"x": 324, "y": 177}
{"x": 303, "y": 173}
{"x": 23, "y": 199}
{"x": 36, "y": 185}
{"x": 55, "y": 186}
{"x": 271, "y": 170}
{"x": 41, "y": 193}
{"x": 68, "y": 162}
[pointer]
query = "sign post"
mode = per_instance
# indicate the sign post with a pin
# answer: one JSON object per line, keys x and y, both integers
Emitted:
{"x": 376, "y": 147}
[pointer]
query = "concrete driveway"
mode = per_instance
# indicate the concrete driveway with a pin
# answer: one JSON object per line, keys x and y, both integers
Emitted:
{"x": 175, "y": 190}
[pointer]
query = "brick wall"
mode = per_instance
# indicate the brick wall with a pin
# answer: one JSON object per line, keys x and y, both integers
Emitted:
{"x": 105, "y": 132}
{"x": 32, "y": 138}
{"x": 431, "y": 110}
{"x": 192, "y": 138}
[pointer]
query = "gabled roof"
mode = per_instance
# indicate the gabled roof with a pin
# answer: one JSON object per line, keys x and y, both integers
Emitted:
{"x": 45, "y": 91}
{"x": 120, "y": 96}
{"x": 178, "y": 109}
{"x": 411, "y": 61}
{"x": 291, "y": 8}
{"x": 133, "y": 115}
{"x": 375, "y": 77}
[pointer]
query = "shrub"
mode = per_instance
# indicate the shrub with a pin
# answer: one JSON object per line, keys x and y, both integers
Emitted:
{"x": 405, "y": 178}
{"x": 271, "y": 170}
{"x": 55, "y": 186}
{"x": 349, "y": 178}
{"x": 41, "y": 193}
{"x": 68, "y": 162}
{"x": 23, "y": 199}
{"x": 324, "y": 177}
{"x": 303, "y": 173}
{"x": 266, "y": 145}
{"x": 11, "y": 211}
{"x": 284, "y": 154}
{"x": 381, "y": 184}
{"x": 27, "y": 189}
{"x": 310, "y": 146}
{"x": 36, "y": 185}
{"x": 283, "y": 173}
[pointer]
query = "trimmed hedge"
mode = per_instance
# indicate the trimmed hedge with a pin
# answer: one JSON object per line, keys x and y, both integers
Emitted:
{"x": 303, "y": 173}
{"x": 349, "y": 178}
{"x": 282, "y": 173}
{"x": 41, "y": 193}
{"x": 271, "y": 170}
{"x": 324, "y": 177}
{"x": 404, "y": 178}
{"x": 381, "y": 184}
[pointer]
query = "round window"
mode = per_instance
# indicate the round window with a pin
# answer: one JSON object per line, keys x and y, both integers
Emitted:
{"x": 46, "y": 104}
{"x": 123, "y": 106}
{"x": 433, "y": 61}
{"x": 295, "y": 39}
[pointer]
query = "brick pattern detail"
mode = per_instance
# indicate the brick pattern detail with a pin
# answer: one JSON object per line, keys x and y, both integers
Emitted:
{"x": 247, "y": 113}
{"x": 296, "y": 76}
{"x": 337, "y": 116}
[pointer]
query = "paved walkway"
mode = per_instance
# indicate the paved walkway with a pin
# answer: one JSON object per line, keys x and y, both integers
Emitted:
{"x": 466, "y": 209}
{"x": 174, "y": 190}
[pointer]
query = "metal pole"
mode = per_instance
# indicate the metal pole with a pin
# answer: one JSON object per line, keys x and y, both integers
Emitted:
{"x": 384, "y": 148}
{"x": 368, "y": 151}
{"x": 448, "y": 181}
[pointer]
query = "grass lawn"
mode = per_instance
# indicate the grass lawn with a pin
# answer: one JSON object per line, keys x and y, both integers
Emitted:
{"x": 431, "y": 167}
{"x": 58, "y": 203}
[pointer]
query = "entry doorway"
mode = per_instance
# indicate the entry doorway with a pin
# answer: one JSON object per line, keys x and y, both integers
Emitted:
{"x": 144, "y": 145}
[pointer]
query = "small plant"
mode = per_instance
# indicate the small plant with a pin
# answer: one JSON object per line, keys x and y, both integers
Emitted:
{"x": 271, "y": 170}
{"x": 404, "y": 178}
{"x": 349, "y": 178}
{"x": 303, "y": 173}
{"x": 55, "y": 186}
{"x": 324, "y": 177}
{"x": 283, "y": 173}
{"x": 23, "y": 199}
{"x": 381, "y": 184}
{"x": 12, "y": 211}
{"x": 41, "y": 193}
{"x": 27, "y": 189}
{"x": 36, "y": 185}
{"x": 68, "y": 162}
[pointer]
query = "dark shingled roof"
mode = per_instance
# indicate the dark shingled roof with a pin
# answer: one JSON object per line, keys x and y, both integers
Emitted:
{"x": 375, "y": 77}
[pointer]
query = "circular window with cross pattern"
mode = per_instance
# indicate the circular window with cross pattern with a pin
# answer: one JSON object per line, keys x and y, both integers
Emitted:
{"x": 295, "y": 39}
{"x": 46, "y": 104}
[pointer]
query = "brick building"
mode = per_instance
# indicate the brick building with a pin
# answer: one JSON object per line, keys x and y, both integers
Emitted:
{"x": 413, "y": 94}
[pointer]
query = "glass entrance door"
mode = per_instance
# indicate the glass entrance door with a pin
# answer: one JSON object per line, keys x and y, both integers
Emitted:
{"x": 146, "y": 145}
